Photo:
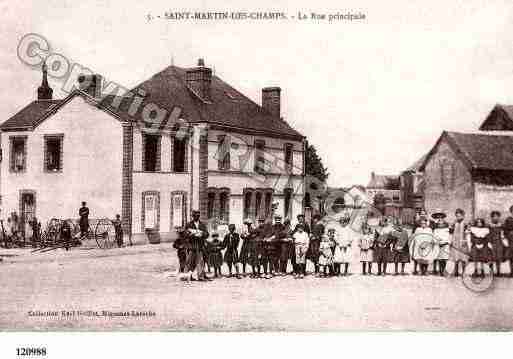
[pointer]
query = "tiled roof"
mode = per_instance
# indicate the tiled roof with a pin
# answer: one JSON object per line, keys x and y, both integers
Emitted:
{"x": 167, "y": 89}
{"x": 484, "y": 151}
{"x": 29, "y": 115}
{"x": 228, "y": 107}
{"x": 481, "y": 151}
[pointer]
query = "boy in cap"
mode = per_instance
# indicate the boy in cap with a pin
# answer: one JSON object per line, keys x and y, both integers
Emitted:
{"x": 318, "y": 230}
{"x": 248, "y": 243}
{"x": 215, "y": 257}
{"x": 259, "y": 249}
{"x": 442, "y": 242}
{"x": 400, "y": 248}
{"x": 180, "y": 245}
{"x": 287, "y": 250}
{"x": 118, "y": 230}
{"x": 231, "y": 244}
{"x": 382, "y": 244}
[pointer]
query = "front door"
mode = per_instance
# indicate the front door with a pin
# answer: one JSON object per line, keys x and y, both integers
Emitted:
{"x": 28, "y": 212}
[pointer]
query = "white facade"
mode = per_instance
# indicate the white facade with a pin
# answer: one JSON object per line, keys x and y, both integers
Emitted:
{"x": 278, "y": 179}
{"x": 91, "y": 165}
{"x": 92, "y": 171}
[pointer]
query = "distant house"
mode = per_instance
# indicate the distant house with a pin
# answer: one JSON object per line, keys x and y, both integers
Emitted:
{"x": 412, "y": 190}
{"x": 472, "y": 171}
{"x": 385, "y": 192}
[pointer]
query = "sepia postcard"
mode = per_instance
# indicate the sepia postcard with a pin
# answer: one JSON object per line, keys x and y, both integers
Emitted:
{"x": 271, "y": 166}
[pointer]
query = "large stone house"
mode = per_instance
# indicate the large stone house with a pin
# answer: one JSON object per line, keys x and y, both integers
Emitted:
{"x": 182, "y": 140}
{"x": 472, "y": 171}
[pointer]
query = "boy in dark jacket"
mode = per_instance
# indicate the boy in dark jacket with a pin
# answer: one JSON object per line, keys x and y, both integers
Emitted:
{"x": 215, "y": 257}
{"x": 231, "y": 244}
{"x": 179, "y": 245}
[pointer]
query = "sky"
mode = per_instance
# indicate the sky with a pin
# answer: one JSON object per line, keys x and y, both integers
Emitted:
{"x": 371, "y": 95}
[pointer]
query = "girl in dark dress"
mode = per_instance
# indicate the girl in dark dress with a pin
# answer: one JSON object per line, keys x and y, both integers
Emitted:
{"x": 480, "y": 253}
{"x": 497, "y": 241}
{"x": 231, "y": 244}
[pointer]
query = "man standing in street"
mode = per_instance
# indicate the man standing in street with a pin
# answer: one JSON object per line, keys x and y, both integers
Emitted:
{"x": 315, "y": 241}
{"x": 280, "y": 251}
{"x": 83, "y": 212}
{"x": 196, "y": 233}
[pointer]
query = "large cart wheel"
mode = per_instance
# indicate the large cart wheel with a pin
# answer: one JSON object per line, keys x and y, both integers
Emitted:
{"x": 53, "y": 229}
{"x": 104, "y": 233}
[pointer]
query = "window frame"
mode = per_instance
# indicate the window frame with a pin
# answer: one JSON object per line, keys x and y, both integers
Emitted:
{"x": 223, "y": 153}
{"x": 185, "y": 141}
{"x": 60, "y": 138}
{"x": 288, "y": 148}
{"x": 12, "y": 139}
{"x": 158, "y": 155}
{"x": 287, "y": 207}
{"x": 259, "y": 153}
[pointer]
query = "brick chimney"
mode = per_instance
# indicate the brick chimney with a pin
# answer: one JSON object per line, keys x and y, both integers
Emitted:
{"x": 91, "y": 84}
{"x": 198, "y": 79}
{"x": 271, "y": 101}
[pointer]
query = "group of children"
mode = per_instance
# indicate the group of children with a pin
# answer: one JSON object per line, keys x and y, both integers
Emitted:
{"x": 270, "y": 247}
{"x": 436, "y": 242}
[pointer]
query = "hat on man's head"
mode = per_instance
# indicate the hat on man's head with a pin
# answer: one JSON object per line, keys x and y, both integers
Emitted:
{"x": 438, "y": 214}
{"x": 278, "y": 216}
{"x": 195, "y": 212}
{"x": 301, "y": 215}
{"x": 248, "y": 221}
{"x": 215, "y": 234}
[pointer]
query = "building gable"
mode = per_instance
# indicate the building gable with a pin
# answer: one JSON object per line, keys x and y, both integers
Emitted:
{"x": 499, "y": 119}
{"x": 36, "y": 112}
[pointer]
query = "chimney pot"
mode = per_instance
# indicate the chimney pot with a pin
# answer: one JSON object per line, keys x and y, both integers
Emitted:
{"x": 201, "y": 62}
{"x": 91, "y": 84}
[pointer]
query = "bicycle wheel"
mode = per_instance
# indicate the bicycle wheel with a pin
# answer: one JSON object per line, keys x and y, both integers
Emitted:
{"x": 104, "y": 233}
